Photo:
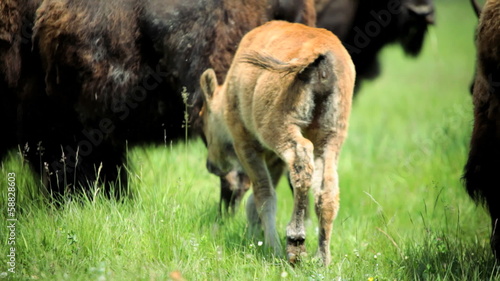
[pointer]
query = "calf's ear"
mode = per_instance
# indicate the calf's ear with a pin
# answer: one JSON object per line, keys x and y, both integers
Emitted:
{"x": 209, "y": 84}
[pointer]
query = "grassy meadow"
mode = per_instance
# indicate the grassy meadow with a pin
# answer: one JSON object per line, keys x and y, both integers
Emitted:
{"x": 404, "y": 213}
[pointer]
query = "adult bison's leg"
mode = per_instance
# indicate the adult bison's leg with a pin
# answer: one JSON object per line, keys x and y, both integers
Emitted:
{"x": 84, "y": 168}
{"x": 68, "y": 157}
{"x": 105, "y": 169}
{"x": 45, "y": 130}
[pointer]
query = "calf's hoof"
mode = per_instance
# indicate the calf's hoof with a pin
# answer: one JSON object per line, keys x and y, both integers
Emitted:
{"x": 325, "y": 259}
{"x": 295, "y": 251}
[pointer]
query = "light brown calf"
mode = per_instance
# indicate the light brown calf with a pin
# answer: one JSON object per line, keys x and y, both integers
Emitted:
{"x": 287, "y": 95}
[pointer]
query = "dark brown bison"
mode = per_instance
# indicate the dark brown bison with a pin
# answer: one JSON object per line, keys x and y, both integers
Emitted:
{"x": 481, "y": 176}
{"x": 366, "y": 26}
{"x": 112, "y": 74}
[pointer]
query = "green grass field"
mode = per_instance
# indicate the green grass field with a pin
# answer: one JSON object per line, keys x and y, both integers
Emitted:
{"x": 404, "y": 213}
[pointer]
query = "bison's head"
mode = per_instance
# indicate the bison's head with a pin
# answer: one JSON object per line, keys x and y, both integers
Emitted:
{"x": 221, "y": 160}
{"x": 221, "y": 153}
{"x": 414, "y": 19}
{"x": 366, "y": 26}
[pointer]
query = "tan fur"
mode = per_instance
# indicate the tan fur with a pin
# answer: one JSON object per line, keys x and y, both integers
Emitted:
{"x": 278, "y": 100}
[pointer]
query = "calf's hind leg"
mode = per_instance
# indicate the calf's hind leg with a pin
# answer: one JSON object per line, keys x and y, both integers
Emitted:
{"x": 326, "y": 193}
{"x": 297, "y": 153}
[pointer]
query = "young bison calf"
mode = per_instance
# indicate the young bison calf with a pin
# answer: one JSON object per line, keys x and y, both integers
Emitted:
{"x": 287, "y": 95}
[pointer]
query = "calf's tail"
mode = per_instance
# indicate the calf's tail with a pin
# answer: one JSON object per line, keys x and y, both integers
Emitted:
{"x": 316, "y": 70}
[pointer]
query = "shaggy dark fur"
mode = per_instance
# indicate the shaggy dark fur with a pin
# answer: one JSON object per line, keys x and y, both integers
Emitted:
{"x": 481, "y": 175}
{"x": 18, "y": 64}
{"x": 114, "y": 72}
{"x": 366, "y": 26}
